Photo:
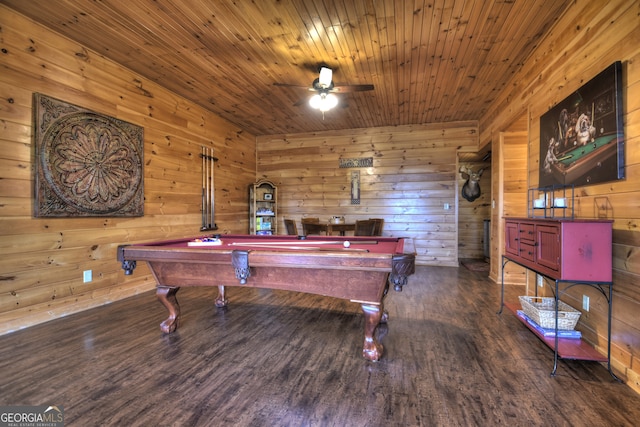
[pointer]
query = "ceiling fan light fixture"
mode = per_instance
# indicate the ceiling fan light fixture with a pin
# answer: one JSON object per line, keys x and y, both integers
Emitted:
{"x": 323, "y": 101}
{"x": 326, "y": 75}
{"x": 315, "y": 101}
{"x": 330, "y": 101}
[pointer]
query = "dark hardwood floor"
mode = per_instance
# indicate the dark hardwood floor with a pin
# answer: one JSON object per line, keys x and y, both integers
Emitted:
{"x": 288, "y": 359}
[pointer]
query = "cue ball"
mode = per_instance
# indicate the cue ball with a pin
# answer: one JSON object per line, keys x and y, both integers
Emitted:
{"x": 346, "y": 244}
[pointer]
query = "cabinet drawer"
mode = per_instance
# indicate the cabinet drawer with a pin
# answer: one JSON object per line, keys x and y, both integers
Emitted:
{"x": 526, "y": 232}
{"x": 527, "y": 252}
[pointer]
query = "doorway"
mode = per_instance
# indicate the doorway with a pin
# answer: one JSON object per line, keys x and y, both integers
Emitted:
{"x": 474, "y": 207}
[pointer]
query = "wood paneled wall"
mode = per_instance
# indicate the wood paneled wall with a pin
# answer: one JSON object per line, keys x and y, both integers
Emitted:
{"x": 413, "y": 176}
{"x": 587, "y": 39}
{"x": 42, "y": 260}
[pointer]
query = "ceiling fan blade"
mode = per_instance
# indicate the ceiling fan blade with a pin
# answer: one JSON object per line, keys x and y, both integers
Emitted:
{"x": 351, "y": 88}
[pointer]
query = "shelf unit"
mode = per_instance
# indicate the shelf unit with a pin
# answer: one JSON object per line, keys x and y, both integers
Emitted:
{"x": 571, "y": 253}
{"x": 263, "y": 208}
{"x": 568, "y": 348}
{"x": 555, "y": 201}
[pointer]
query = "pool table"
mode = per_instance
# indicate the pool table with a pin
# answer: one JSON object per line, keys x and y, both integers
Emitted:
{"x": 359, "y": 269}
{"x": 588, "y": 159}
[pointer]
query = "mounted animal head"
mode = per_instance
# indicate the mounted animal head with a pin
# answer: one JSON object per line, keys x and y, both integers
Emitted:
{"x": 471, "y": 188}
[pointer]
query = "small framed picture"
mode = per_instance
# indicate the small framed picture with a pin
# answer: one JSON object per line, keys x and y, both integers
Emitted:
{"x": 268, "y": 196}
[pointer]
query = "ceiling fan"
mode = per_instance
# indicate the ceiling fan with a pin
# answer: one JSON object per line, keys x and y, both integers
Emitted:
{"x": 324, "y": 99}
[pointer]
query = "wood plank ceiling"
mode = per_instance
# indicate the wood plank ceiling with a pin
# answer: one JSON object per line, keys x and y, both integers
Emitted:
{"x": 430, "y": 61}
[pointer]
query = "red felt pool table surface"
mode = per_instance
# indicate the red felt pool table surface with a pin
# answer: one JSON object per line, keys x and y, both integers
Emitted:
{"x": 374, "y": 244}
{"x": 360, "y": 271}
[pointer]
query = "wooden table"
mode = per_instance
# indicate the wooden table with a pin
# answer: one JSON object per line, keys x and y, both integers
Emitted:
{"x": 360, "y": 271}
{"x": 341, "y": 228}
{"x": 327, "y": 228}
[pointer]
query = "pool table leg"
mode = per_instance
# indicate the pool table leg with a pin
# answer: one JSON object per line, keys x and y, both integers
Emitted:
{"x": 385, "y": 314}
{"x": 221, "y": 299}
{"x": 372, "y": 316}
{"x": 167, "y": 296}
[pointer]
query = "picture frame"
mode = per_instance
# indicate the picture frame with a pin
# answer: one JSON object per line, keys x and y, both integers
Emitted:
{"x": 87, "y": 164}
{"x": 268, "y": 196}
{"x": 355, "y": 187}
{"x": 582, "y": 137}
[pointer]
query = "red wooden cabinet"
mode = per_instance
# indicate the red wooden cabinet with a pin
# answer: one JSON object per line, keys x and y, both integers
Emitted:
{"x": 566, "y": 250}
{"x": 579, "y": 250}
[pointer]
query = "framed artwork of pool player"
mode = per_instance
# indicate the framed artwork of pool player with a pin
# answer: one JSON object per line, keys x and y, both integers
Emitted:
{"x": 582, "y": 137}
{"x": 87, "y": 164}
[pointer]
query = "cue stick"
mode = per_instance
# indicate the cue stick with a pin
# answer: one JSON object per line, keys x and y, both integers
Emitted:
{"x": 206, "y": 179}
{"x": 213, "y": 187}
{"x": 204, "y": 201}
{"x": 565, "y": 157}
{"x": 306, "y": 242}
{"x": 308, "y": 248}
{"x": 206, "y": 174}
{"x": 560, "y": 131}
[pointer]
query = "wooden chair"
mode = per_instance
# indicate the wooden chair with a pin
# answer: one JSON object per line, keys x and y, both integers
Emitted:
{"x": 364, "y": 227}
{"x": 377, "y": 231}
{"x": 290, "y": 226}
{"x": 313, "y": 228}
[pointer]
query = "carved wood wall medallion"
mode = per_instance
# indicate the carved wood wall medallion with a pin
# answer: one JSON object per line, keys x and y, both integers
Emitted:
{"x": 87, "y": 164}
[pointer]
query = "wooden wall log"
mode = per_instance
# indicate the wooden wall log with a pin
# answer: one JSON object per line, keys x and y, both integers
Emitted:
{"x": 414, "y": 174}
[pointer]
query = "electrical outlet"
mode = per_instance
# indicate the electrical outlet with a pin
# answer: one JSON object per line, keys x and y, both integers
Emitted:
{"x": 540, "y": 280}
{"x": 87, "y": 276}
{"x": 446, "y": 206}
{"x": 585, "y": 303}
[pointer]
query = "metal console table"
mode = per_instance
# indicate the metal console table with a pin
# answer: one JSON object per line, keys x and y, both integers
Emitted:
{"x": 565, "y": 348}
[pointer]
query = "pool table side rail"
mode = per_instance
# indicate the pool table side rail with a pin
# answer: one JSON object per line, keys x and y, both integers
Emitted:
{"x": 262, "y": 258}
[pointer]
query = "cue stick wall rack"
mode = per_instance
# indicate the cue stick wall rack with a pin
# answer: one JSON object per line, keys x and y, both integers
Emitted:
{"x": 208, "y": 189}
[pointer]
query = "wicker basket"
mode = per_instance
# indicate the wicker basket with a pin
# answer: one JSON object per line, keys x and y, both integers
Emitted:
{"x": 542, "y": 310}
